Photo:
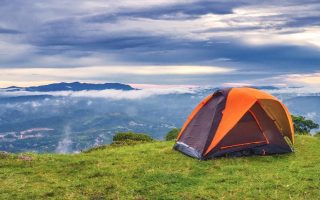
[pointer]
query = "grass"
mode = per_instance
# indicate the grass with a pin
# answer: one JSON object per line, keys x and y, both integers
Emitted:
{"x": 155, "y": 171}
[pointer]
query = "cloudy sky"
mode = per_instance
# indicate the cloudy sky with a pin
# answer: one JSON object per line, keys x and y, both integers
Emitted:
{"x": 190, "y": 42}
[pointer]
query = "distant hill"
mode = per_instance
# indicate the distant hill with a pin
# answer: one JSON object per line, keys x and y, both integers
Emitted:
{"x": 266, "y": 87}
{"x": 263, "y": 87}
{"x": 75, "y": 86}
{"x": 155, "y": 171}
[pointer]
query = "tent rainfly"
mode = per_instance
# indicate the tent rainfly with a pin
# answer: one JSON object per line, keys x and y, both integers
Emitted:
{"x": 237, "y": 122}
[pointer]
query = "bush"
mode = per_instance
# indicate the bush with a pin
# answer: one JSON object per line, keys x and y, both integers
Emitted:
{"x": 317, "y": 135}
{"x": 302, "y": 125}
{"x": 123, "y": 138}
{"x": 4, "y": 154}
{"x": 130, "y": 136}
{"x": 172, "y": 134}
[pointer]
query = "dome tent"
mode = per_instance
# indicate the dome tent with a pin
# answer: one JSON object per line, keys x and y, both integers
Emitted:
{"x": 237, "y": 121}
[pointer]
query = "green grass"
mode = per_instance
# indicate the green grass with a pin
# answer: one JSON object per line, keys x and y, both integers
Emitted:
{"x": 155, "y": 171}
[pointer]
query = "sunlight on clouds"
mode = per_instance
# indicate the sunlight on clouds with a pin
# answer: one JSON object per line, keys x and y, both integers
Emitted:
{"x": 23, "y": 83}
{"x": 157, "y": 86}
{"x": 33, "y": 75}
{"x": 308, "y": 79}
{"x": 254, "y": 25}
{"x": 272, "y": 25}
{"x": 310, "y": 35}
{"x": 59, "y": 40}
{"x": 236, "y": 84}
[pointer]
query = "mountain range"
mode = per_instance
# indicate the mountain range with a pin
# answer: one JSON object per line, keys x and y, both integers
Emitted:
{"x": 74, "y": 86}
{"x": 42, "y": 119}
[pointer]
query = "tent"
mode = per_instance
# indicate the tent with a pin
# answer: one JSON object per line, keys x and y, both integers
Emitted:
{"x": 237, "y": 122}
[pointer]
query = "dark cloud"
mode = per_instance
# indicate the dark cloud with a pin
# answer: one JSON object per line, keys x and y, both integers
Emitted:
{"x": 229, "y": 29}
{"x": 304, "y": 21}
{"x": 272, "y": 57}
{"x": 76, "y": 32}
{"x": 9, "y": 31}
{"x": 180, "y": 11}
{"x": 69, "y": 38}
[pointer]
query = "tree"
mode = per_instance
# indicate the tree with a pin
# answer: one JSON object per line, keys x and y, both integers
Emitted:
{"x": 172, "y": 134}
{"x": 131, "y": 136}
{"x": 303, "y": 125}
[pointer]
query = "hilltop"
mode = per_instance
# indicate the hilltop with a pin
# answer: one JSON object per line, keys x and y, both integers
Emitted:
{"x": 154, "y": 171}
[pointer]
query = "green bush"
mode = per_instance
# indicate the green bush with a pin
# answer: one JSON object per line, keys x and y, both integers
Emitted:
{"x": 4, "y": 154}
{"x": 172, "y": 134}
{"x": 130, "y": 136}
{"x": 123, "y": 138}
{"x": 302, "y": 125}
{"x": 317, "y": 135}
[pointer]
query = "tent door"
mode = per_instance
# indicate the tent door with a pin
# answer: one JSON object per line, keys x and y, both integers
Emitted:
{"x": 246, "y": 133}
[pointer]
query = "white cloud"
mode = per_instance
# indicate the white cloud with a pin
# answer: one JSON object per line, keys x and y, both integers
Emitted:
{"x": 109, "y": 94}
{"x": 256, "y": 25}
{"x": 34, "y": 76}
{"x": 38, "y": 44}
{"x": 311, "y": 79}
{"x": 65, "y": 144}
{"x": 236, "y": 84}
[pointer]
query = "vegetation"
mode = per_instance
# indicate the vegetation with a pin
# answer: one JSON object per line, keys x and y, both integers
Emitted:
{"x": 317, "y": 134}
{"x": 155, "y": 171}
{"x": 172, "y": 134}
{"x": 123, "y": 138}
{"x": 302, "y": 125}
{"x": 131, "y": 136}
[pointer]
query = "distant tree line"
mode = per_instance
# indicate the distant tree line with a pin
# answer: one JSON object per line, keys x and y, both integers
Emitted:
{"x": 303, "y": 126}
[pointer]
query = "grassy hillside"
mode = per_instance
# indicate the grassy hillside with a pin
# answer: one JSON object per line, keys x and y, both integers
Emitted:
{"x": 155, "y": 171}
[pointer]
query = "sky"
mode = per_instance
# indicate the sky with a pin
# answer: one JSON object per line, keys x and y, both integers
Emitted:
{"x": 160, "y": 42}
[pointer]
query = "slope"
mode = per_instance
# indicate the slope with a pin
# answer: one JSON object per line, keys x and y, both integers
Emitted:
{"x": 155, "y": 171}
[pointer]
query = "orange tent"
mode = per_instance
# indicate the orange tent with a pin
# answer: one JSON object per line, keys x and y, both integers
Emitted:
{"x": 237, "y": 121}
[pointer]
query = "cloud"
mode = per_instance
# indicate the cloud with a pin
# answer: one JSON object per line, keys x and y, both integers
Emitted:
{"x": 110, "y": 94}
{"x": 11, "y": 52}
{"x": 266, "y": 36}
{"x": 65, "y": 144}
{"x": 45, "y": 75}
{"x": 303, "y": 84}
{"x": 296, "y": 91}
{"x": 8, "y": 31}
{"x": 296, "y": 81}
{"x": 180, "y": 10}
{"x": 312, "y": 79}
{"x": 150, "y": 91}
{"x": 131, "y": 95}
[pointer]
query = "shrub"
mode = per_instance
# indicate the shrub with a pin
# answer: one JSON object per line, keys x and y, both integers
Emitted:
{"x": 130, "y": 136}
{"x": 302, "y": 125}
{"x": 172, "y": 134}
{"x": 317, "y": 134}
{"x": 4, "y": 154}
{"x": 123, "y": 138}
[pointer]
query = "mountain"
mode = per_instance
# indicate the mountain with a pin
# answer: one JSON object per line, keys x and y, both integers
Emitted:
{"x": 42, "y": 122}
{"x": 75, "y": 86}
{"x": 209, "y": 90}
{"x": 266, "y": 87}
{"x": 85, "y": 122}
{"x": 155, "y": 171}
